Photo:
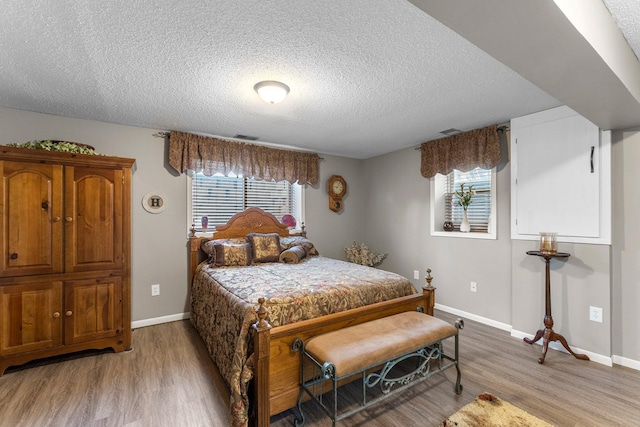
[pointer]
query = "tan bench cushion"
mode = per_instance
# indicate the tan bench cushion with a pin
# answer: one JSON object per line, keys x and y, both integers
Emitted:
{"x": 356, "y": 347}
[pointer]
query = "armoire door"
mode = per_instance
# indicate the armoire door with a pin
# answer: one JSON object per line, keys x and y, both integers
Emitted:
{"x": 92, "y": 309}
{"x": 93, "y": 219}
{"x": 30, "y": 317}
{"x": 30, "y": 218}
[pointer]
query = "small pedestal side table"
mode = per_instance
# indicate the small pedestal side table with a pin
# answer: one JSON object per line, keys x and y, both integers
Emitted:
{"x": 547, "y": 334}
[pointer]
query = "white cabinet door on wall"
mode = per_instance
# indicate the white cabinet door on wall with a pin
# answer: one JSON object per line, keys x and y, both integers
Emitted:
{"x": 560, "y": 177}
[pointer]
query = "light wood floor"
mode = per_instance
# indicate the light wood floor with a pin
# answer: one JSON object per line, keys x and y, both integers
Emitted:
{"x": 169, "y": 380}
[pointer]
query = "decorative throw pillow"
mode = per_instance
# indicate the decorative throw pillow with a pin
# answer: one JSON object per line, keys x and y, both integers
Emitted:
{"x": 264, "y": 247}
{"x": 293, "y": 255}
{"x": 208, "y": 246}
{"x": 291, "y": 241}
{"x": 231, "y": 254}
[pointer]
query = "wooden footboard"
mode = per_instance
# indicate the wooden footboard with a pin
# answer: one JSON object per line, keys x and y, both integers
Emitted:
{"x": 277, "y": 367}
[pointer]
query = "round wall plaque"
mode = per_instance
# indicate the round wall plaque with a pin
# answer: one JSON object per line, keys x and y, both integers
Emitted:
{"x": 154, "y": 202}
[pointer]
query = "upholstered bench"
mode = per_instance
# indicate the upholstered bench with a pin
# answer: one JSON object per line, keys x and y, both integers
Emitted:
{"x": 372, "y": 350}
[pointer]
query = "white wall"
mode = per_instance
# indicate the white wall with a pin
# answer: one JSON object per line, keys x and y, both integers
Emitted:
{"x": 397, "y": 220}
{"x": 510, "y": 283}
{"x": 159, "y": 241}
{"x": 583, "y": 280}
{"x": 331, "y": 231}
{"x": 626, "y": 247}
{"x": 387, "y": 207}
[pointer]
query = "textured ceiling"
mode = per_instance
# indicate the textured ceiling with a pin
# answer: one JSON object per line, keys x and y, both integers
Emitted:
{"x": 626, "y": 13}
{"x": 367, "y": 77}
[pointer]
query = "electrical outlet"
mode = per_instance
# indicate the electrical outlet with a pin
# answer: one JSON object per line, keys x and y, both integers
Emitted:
{"x": 595, "y": 314}
{"x": 155, "y": 290}
{"x": 474, "y": 287}
{"x": 416, "y": 274}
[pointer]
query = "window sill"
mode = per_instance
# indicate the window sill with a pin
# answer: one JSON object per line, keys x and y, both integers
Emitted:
{"x": 460, "y": 235}
{"x": 211, "y": 231}
{"x": 201, "y": 233}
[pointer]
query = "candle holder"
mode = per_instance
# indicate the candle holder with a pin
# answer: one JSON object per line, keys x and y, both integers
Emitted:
{"x": 548, "y": 243}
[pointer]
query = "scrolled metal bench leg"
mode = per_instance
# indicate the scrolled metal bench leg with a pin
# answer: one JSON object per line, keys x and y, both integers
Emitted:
{"x": 298, "y": 346}
{"x": 458, "y": 387}
{"x": 299, "y": 421}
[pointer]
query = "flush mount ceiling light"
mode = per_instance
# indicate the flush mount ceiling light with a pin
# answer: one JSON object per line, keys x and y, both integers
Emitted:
{"x": 272, "y": 91}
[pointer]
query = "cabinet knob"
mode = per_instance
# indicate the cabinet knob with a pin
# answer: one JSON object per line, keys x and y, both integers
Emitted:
{"x": 56, "y": 219}
{"x": 69, "y": 313}
{"x": 69, "y": 219}
{"x": 56, "y": 314}
{"x": 13, "y": 256}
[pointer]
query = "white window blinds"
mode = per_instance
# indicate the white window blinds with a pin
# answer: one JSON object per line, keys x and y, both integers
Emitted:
{"x": 479, "y": 211}
{"x": 219, "y": 198}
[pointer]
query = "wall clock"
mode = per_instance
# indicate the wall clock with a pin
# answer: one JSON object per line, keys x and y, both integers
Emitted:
{"x": 337, "y": 188}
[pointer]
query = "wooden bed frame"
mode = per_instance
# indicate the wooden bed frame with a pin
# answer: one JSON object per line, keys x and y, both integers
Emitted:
{"x": 276, "y": 383}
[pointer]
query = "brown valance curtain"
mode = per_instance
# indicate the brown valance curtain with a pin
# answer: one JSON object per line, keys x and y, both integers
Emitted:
{"x": 478, "y": 148}
{"x": 212, "y": 155}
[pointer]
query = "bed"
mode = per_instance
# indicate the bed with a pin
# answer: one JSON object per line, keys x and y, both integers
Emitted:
{"x": 249, "y": 311}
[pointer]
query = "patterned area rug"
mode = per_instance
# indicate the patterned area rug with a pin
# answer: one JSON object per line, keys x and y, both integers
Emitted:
{"x": 490, "y": 411}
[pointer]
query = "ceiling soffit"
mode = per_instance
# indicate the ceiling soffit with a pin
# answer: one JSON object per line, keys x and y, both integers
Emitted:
{"x": 576, "y": 53}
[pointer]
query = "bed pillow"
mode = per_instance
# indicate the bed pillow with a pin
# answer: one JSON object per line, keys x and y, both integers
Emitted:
{"x": 208, "y": 246}
{"x": 291, "y": 241}
{"x": 264, "y": 247}
{"x": 231, "y": 254}
{"x": 293, "y": 255}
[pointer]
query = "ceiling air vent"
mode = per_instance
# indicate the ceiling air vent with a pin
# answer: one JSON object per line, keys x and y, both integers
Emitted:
{"x": 247, "y": 137}
{"x": 450, "y": 132}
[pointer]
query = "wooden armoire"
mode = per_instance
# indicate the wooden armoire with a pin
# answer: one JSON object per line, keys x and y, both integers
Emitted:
{"x": 65, "y": 228}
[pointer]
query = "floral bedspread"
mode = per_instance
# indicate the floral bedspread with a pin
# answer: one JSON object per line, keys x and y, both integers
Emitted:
{"x": 224, "y": 300}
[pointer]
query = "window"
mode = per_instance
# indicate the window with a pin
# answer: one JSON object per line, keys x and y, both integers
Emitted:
{"x": 481, "y": 212}
{"x": 219, "y": 198}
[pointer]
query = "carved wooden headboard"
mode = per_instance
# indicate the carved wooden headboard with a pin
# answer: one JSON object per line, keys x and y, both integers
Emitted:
{"x": 252, "y": 220}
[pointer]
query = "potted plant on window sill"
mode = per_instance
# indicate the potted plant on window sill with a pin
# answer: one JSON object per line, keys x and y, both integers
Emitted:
{"x": 464, "y": 200}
